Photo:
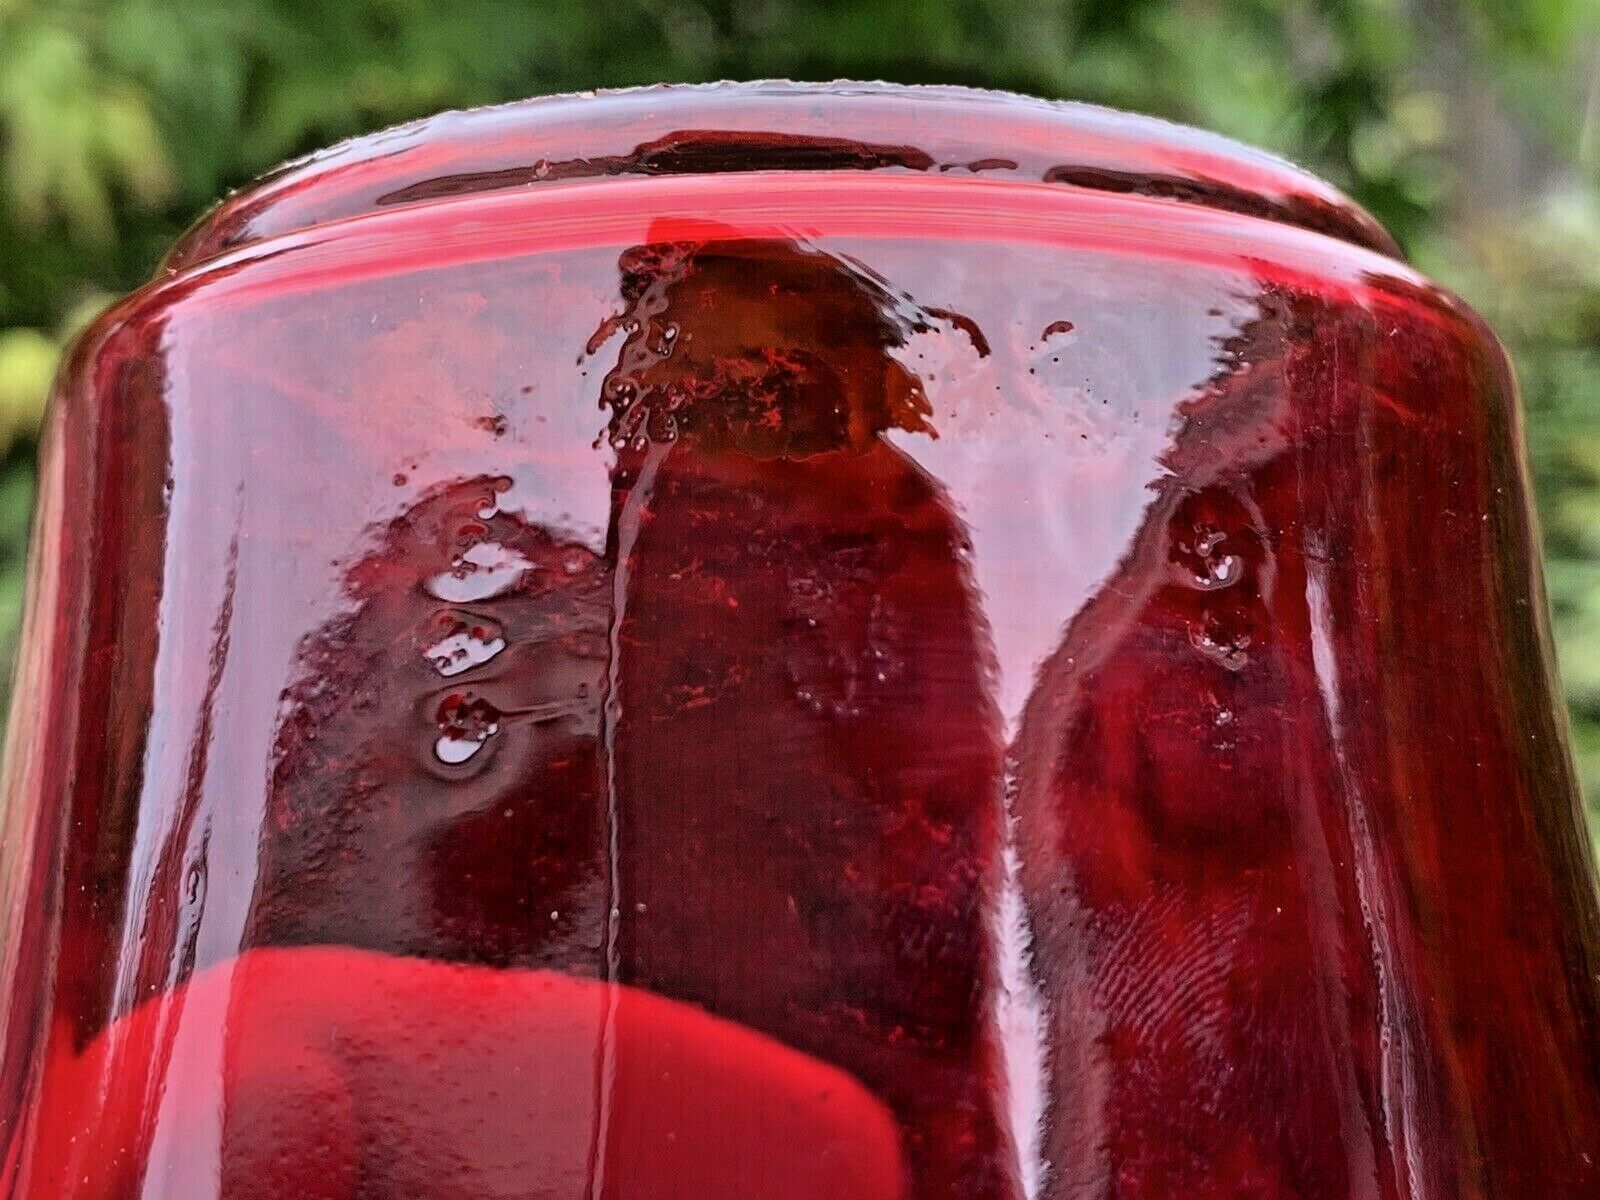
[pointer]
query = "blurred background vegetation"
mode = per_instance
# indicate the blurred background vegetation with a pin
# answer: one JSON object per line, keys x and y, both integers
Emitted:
{"x": 1470, "y": 127}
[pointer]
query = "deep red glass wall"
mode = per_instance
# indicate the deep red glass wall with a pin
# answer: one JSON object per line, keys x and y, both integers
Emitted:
{"x": 791, "y": 642}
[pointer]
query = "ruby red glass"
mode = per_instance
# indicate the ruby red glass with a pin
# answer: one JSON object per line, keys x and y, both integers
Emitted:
{"x": 800, "y": 643}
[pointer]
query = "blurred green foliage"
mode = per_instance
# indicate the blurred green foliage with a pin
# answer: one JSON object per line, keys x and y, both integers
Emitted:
{"x": 1470, "y": 127}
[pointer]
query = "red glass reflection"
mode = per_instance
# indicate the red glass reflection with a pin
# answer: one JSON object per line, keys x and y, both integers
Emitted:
{"x": 999, "y": 662}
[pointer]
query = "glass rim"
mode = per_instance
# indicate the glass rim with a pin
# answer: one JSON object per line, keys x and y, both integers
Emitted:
{"x": 680, "y": 130}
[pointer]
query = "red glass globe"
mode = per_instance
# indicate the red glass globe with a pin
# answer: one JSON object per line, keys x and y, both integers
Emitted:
{"x": 791, "y": 642}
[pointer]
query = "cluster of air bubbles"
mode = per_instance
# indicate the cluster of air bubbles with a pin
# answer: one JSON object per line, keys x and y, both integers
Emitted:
{"x": 1204, "y": 557}
{"x": 489, "y": 506}
{"x": 494, "y": 423}
{"x": 1210, "y": 566}
{"x": 466, "y": 723}
{"x": 1221, "y": 640}
{"x": 464, "y": 641}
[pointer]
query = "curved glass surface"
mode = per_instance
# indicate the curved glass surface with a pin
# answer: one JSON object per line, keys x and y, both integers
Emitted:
{"x": 808, "y": 680}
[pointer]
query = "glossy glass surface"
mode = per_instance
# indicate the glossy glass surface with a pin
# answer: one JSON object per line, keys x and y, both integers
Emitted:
{"x": 798, "y": 673}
